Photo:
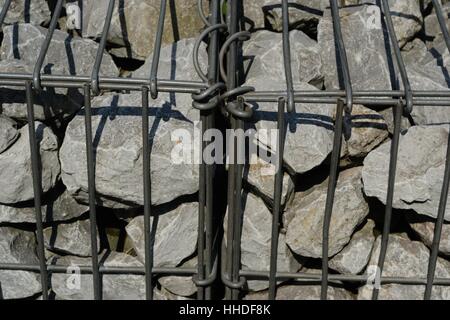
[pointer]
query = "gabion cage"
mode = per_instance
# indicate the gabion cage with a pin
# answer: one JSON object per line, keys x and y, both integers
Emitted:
{"x": 222, "y": 93}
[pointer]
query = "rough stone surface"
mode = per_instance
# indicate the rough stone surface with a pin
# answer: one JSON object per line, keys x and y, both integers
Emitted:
{"x": 175, "y": 238}
{"x": 388, "y": 116}
{"x": 72, "y": 238}
{"x": 256, "y": 242}
{"x": 303, "y": 292}
{"x": 63, "y": 208}
{"x": 304, "y": 217}
{"x": 15, "y": 165}
{"x": 431, "y": 24}
{"x": 424, "y": 227}
{"x": 18, "y": 246}
{"x": 117, "y": 128}
{"x": 114, "y": 287}
{"x": 366, "y": 50}
{"x": 35, "y": 12}
{"x": 367, "y": 130}
{"x": 420, "y": 170}
{"x": 355, "y": 256}
{"x": 133, "y": 27}
{"x": 309, "y": 132}
{"x": 265, "y": 54}
{"x": 176, "y": 64}
{"x": 406, "y": 258}
{"x": 8, "y": 133}
{"x": 66, "y": 56}
{"x": 180, "y": 285}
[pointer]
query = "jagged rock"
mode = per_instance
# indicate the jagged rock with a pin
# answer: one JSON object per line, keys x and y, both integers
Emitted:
{"x": 133, "y": 26}
{"x": 63, "y": 208}
{"x": 15, "y": 165}
{"x": 17, "y": 246}
{"x": 303, "y": 292}
{"x": 256, "y": 242}
{"x": 175, "y": 237}
{"x": 8, "y": 133}
{"x": 406, "y": 258}
{"x": 309, "y": 132}
{"x": 34, "y": 12}
{"x": 431, "y": 27}
{"x": 117, "y": 126}
{"x": 72, "y": 238}
{"x": 415, "y": 51}
{"x": 420, "y": 170}
{"x": 66, "y": 56}
{"x": 304, "y": 216}
{"x": 180, "y": 285}
{"x": 366, "y": 49}
{"x": 368, "y": 130}
{"x": 114, "y": 286}
{"x": 266, "y": 57}
{"x": 424, "y": 228}
{"x": 176, "y": 64}
{"x": 388, "y": 116}
{"x": 303, "y": 14}
{"x": 355, "y": 256}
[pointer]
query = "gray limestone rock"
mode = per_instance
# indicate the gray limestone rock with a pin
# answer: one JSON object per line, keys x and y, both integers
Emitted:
{"x": 117, "y": 126}
{"x": 175, "y": 235}
{"x": 304, "y": 216}
{"x": 424, "y": 228}
{"x": 406, "y": 258}
{"x": 15, "y": 165}
{"x": 420, "y": 170}
{"x": 35, "y": 12}
{"x": 71, "y": 238}
{"x": 180, "y": 285}
{"x": 17, "y": 246}
{"x": 8, "y": 133}
{"x": 355, "y": 256}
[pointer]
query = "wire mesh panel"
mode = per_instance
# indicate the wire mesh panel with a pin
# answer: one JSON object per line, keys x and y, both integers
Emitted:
{"x": 310, "y": 173}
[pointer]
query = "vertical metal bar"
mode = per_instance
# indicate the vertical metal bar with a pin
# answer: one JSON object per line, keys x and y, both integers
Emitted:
{"x": 157, "y": 50}
{"x": 101, "y": 48}
{"x": 335, "y": 157}
{"x": 4, "y": 12}
{"x": 398, "y": 56}
{"x": 278, "y": 191}
{"x": 287, "y": 57}
{"x": 147, "y": 195}
{"x": 45, "y": 46}
{"x": 342, "y": 55}
{"x": 92, "y": 197}
{"x": 201, "y": 215}
{"x": 445, "y": 185}
{"x": 37, "y": 188}
{"x": 398, "y": 111}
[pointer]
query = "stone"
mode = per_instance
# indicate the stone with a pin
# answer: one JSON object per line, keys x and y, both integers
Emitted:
{"x": 70, "y": 238}
{"x": 114, "y": 286}
{"x": 368, "y": 130}
{"x": 309, "y": 131}
{"x": 366, "y": 49}
{"x": 180, "y": 285}
{"x": 406, "y": 258}
{"x": 58, "y": 208}
{"x": 15, "y": 165}
{"x": 256, "y": 242}
{"x": 17, "y": 246}
{"x": 176, "y": 63}
{"x": 117, "y": 128}
{"x": 420, "y": 170}
{"x": 424, "y": 228}
{"x": 431, "y": 27}
{"x": 388, "y": 116}
{"x": 133, "y": 26}
{"x": 8, "y": 133}
{"x": 34, "y": 12}
{"x": 355, "y": 256}
{"x": 261, "y": 177}
{"x": 304, "y": 292}
{"x": 175, "y": 235}
{"x": 265, "y": 54}
{"x": 304, "y": 216}
{"x": 66, "y": 56}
